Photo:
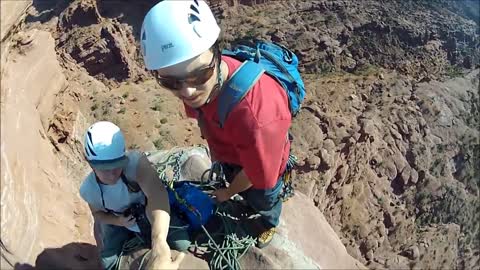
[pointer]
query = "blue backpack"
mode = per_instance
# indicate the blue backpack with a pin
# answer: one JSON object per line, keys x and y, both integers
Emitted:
{"x": 262, "y": 57}
{"x": 195, "y": 204}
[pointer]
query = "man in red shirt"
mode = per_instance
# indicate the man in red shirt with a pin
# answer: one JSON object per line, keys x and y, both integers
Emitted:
{"x": 179, "y": 43}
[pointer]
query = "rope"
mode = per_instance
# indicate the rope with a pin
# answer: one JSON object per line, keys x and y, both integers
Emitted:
{"x": 232, "y": 248}
{"x": 129, "y": 246}
{"x": 143, "y": 259}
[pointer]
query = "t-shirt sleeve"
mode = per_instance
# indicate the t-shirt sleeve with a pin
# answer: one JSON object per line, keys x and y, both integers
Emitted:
{"x": 261, "y": 153}
{"x": 191, "y": 113}
{"x": 88, "y": 192}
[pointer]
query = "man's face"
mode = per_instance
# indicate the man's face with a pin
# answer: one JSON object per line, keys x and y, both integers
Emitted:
{"x": 193, "y": 80}
{"x": 108, "y": 177}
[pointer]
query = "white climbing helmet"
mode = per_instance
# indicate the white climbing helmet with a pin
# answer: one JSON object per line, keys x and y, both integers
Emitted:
{"x": 176, "y": 31}
{"x": 105, "y": 146}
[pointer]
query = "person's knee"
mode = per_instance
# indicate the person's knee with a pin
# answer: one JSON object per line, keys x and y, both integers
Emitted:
{"x": 180, "y": 245}
{"x": 260, "y": 202}
{"x": 264, "y": 200}
{"x": 108, "y": 261}
{"x": 178, "y": 240}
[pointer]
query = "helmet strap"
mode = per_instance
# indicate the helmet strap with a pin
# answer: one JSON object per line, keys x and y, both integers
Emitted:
{"x": 98, "y": 179}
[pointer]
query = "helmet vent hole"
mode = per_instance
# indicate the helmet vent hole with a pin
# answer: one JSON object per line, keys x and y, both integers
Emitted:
{"x": 196, "y": 2}
{"x": 90, "y": 150}
{"x": 192, "y": 18}
{"x": 194, "y": 8}
{"x": 89, "y": 134}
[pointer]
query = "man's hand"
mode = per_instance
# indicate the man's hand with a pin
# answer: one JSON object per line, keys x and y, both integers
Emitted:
{"x": 222, "y": 194}
{"x": 125, "y": 221}
{"x": 240, "y": 183}
{"x": 164, "y": 260}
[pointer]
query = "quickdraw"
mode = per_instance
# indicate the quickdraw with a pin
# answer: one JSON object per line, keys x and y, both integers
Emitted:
{"x": 288, "y": 190}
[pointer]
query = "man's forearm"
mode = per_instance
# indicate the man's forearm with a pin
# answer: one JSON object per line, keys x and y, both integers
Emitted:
{"x": 158, "y": 207}
{"x": 160, "y": 221}
{"x": 240, "y": 183}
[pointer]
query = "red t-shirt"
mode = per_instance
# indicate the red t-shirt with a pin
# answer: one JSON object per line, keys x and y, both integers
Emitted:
{"x": 254, "y": 135}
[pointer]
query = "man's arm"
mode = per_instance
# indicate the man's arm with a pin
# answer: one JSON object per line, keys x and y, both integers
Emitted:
{"x": 158, "y": 208}
{"x": 240, "y": 183}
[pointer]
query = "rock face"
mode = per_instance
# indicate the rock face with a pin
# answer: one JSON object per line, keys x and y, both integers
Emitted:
{"x": 11, "y": 12}
{"x": 355, "y": 36}
{"x": 38, "y": 199}
{"x": 303, "y": 229}
{"x": 98, "y": 43}
{"x": 396, "y": 169}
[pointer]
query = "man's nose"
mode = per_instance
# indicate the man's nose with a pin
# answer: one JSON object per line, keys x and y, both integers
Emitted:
{"x": 187, "y": 91}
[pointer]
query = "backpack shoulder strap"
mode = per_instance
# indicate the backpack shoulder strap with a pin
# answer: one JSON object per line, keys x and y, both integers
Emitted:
{"x": 235, "y": 89}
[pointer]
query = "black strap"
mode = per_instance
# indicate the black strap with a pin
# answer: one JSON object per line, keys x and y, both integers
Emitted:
{"x": 103, "y": 199}
{"x": 131, "y": 186}
{"x": 201, "y": 124}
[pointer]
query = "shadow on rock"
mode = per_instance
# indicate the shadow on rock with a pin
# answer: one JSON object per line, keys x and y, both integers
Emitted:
{"x": 46, "y": 10}
{"x": 126, "y": 12}
{"x": 70, "y": 256}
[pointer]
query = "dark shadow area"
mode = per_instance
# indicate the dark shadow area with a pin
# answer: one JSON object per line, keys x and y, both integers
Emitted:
{"x": 125, "y": 11}
{"x": 71, "y": 256}
{"x": 3, "y": 252}
{"x": 128, "y": 12}
{"x": 397, "y": 185}
{"x": 237, "y": 218}
{"x": 46, "y": 10}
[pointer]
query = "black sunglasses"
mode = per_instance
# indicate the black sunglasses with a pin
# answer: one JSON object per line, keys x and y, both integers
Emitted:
{"x": 195, "y": 78}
